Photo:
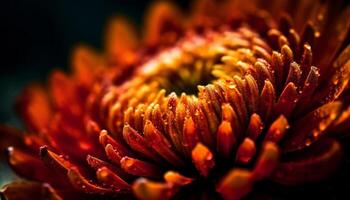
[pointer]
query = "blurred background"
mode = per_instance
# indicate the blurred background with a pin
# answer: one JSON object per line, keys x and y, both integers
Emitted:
{"x": 37, "y": 36}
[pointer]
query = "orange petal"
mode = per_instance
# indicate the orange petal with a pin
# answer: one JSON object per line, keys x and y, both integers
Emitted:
{"x": 226, "y": 139}
{"x": 163, "y": 23}
{"x": 236, "y": 184}
{"x": 121, "y": 40}
{"x": 176, "y": 178}
{"x": 277, "y": 129}
{"x": 203, "y": 159}
{"x": 246, "y": 151}
{"x": 267, "y": 161}
{"x": 85, "y": 61}
{"x": 149, "y": 190}
{"x": 34, "y": 107}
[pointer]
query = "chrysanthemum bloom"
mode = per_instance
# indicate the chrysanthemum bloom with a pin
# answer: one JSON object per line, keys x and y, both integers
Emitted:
{"x": 207, "y": 105}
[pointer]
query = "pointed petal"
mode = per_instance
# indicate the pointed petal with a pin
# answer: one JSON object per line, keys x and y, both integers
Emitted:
{"x": 138, "y": 143}
{"x": 140, "y": 168}
{"x": 107, "y": 139}
{"x": 267, "y": 100}
{"x": 96, "y": 164}
{"x": 110, "y": 179}
{"x": 81, "y": 183}
{"x": 225, "y": 139}
{"x": 160, "y": 144}
{"x": 30, "y": 167}
{"x": 24, "y": 190}
{"x": 287, "y": 100}
{"x": 311, "y": 127}
{"x": 277, "y": 129}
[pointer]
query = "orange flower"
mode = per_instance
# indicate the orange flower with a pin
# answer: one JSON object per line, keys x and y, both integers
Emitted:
{"x": 206, "y": 105}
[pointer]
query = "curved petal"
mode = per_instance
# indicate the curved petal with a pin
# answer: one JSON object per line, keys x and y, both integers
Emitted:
{"x": 25, "y": 190}
{"x": 313, "y": 164}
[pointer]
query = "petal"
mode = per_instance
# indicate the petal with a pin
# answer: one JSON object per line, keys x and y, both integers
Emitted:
{"x": 277, "y": 130}
{"x": 203, "y": 159}
{"x": 315, "y": 163}
{"x": 246, "y": 151}
{"x": 177, "y": 179}
{"x": 149, "y": 190}
{"x": 226, "y": 140}
{"x": 121, "y": 40}
{"x": 85, "y": 62}
{"x": 31, "y": 167}
{"x": 162, "y": 22}
{"x": 81, "y": 183}
{"x": 110, "y": 179}
{"x": 35, "y": 108}
{"x": 311, "y": 127}
{"x": 161, "y": 145}
{"x": 267, "y": 161}
{"x": 24, "y": 190}
{"x": 140, "y": 168}
{"x": 235, "y": 184}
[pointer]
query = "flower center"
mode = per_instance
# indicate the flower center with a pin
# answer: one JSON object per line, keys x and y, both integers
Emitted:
{"x": 202, "y": 60}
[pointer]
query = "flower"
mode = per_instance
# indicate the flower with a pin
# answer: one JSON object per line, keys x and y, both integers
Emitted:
{"x": 217, "y": 101}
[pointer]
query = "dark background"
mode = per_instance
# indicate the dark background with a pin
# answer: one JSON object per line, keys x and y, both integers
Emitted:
{"x": 37, "y": 36}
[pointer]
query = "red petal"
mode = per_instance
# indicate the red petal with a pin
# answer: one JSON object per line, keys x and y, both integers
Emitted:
{"x": 82, "y": 184}
{"x": 312, "y": 126}
{"x": 96, "y": 164}
{"x": 31, "y": 167}
{"x": 315, "y": 163}
{"x": 26, "y": 190}
{"x": 140, "y": 168}
{"x": 110, "y": 179}
{"x": 287, "y": 100}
